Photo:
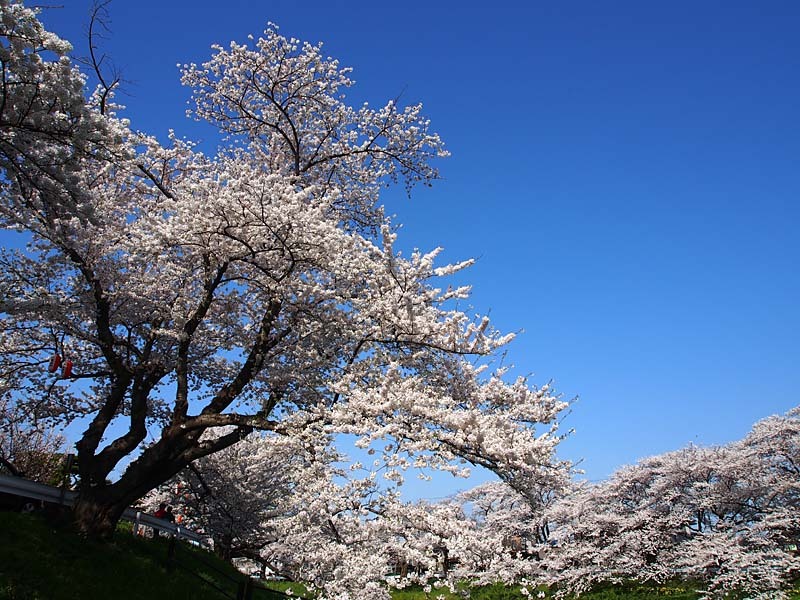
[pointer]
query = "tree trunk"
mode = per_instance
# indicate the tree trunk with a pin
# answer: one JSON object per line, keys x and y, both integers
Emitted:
{"x": 97, "y": 511}
{"x": 223, "y": 546}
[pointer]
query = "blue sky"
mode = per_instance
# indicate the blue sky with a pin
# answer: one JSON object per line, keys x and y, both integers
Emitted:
{"x": 625, "y": 172}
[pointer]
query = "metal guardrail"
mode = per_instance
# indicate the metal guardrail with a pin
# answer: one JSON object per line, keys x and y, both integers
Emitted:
{"x": 48, "y": 493}
{"x": 36, "y": 491}
{"x": 139, "y": 518}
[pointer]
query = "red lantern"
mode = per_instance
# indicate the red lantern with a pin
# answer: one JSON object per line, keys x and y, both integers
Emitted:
{"x": 55, "y": 362}
{"x": 67, "y": 372}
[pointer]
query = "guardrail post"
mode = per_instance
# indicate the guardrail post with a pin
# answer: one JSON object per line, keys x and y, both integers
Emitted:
{"x": 245, "y": 590}
{"x": 248, "y": 589}
{"x": 69, "y": 460}
{"x": 171, "y": 553}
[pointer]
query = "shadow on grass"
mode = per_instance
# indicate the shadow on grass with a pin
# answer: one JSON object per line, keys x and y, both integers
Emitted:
{"x": 40, "y": 560}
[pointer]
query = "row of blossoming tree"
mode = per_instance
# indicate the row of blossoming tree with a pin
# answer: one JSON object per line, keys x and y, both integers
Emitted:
{"x": 725, "y": 520}
{"x": 727, "y": 517}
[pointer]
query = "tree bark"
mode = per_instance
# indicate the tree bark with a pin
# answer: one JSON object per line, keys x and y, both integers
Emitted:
{"x": 97, "y": 511}
{"x": 223, "y": 546}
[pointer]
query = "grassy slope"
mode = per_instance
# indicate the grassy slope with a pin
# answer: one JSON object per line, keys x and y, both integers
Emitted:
{"x": 41, "y": 562}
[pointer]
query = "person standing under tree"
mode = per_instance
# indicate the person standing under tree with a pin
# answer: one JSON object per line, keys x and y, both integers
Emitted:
{"x": 161, "y": 513}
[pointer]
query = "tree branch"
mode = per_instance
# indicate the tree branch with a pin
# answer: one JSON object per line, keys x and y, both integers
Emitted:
{"x": 252, "y": 365}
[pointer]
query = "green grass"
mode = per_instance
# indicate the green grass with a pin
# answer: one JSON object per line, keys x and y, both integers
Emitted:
{"x": 297, "y": 590}
{"x": 623, "y": 591}
{"x": 626, "y": 591}
{"x": 489, "y": 592}
{"x": 39, "y": 561}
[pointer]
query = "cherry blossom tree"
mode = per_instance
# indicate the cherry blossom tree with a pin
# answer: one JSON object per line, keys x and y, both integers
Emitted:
{"x": 253, "y": 289}
{"x": 295, "y": 508}
{"x": 486, "y": 535}
{"x": 725, "y": 516}
{"x": 496, "y": 533}
{"x": 29, "y": 451}
{"x": 754, "y": 499}
{"x": 291, "y": 506}
{"x": 619, "y": 529}
{"x": 235, "y": 495}
{"x": 505, "y": 518}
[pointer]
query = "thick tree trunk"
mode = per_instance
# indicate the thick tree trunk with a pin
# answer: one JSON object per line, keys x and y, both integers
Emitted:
{"x": 97, "y": 511}
{"x": 223, "y": 546}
